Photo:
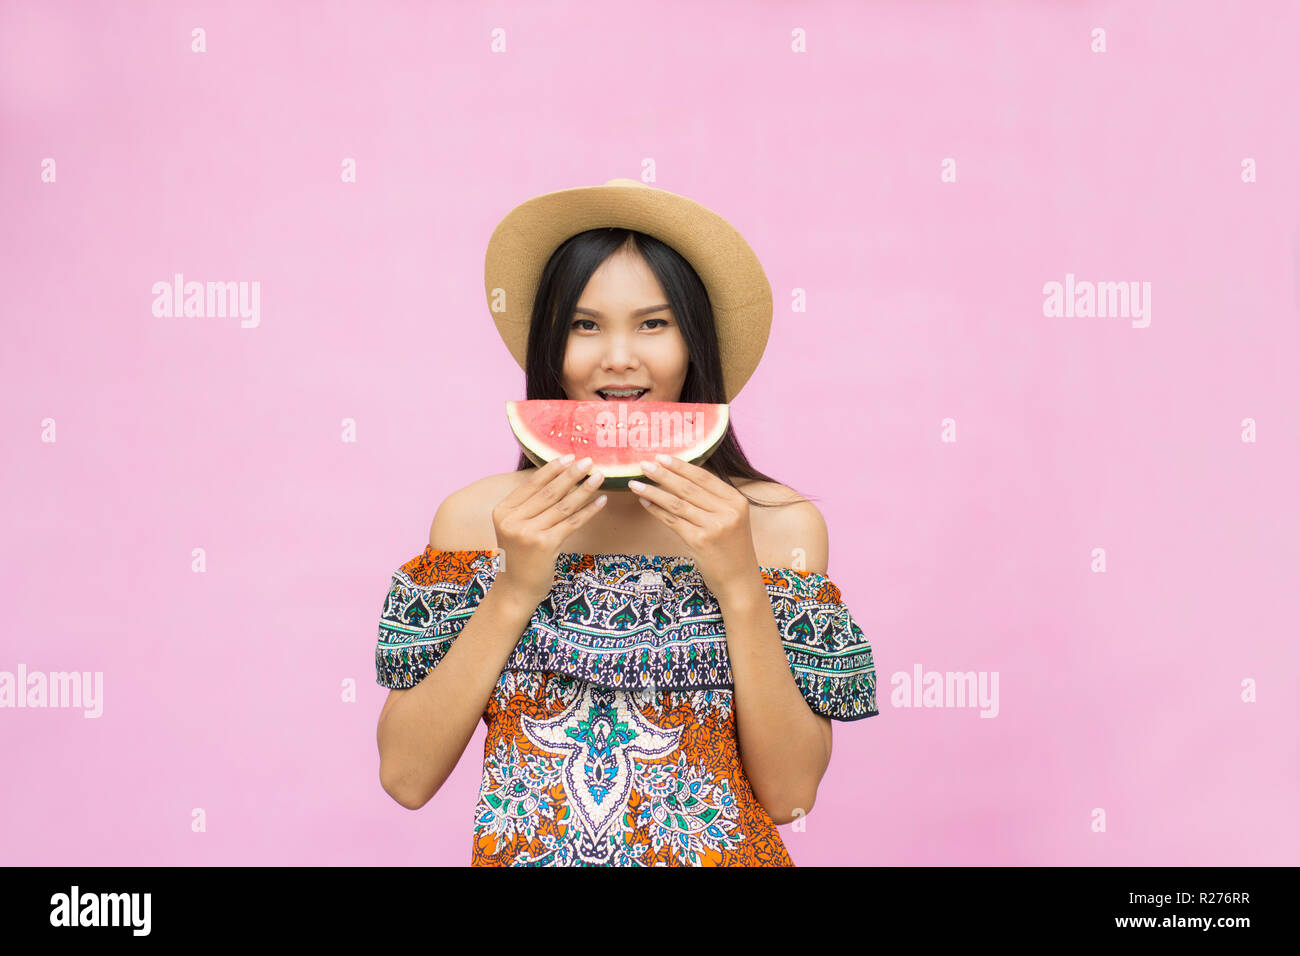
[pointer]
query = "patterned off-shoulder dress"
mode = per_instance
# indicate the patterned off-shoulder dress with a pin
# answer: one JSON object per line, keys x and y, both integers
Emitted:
{"x": 611, "y": 738}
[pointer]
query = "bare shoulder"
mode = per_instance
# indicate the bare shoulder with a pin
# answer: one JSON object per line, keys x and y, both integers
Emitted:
{"x": 464, "y": 519}
{"x": 792, "y": 533}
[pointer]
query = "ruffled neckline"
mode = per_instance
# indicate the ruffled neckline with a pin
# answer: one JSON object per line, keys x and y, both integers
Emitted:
{"x": 628, "y": 621}
{"x": 619, "y": 562}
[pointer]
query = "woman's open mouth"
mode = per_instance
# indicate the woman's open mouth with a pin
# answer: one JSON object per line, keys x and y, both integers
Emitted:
{"x": 622, "y": 395}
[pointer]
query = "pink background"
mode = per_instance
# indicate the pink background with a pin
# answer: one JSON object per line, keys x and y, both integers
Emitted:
{"x": 223, "y": 690}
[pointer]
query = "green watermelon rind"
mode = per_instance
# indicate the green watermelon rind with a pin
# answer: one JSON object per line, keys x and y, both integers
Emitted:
{"x": 536, "y": 450}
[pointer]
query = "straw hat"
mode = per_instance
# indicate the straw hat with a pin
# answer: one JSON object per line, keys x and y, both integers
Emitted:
{"x": 739, "y": 292}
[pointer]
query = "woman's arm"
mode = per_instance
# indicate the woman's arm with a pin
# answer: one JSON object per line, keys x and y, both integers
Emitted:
{"x": 425, "y": 731}
{"x": 782, "y": 742}
{"x": 789, "y": 745}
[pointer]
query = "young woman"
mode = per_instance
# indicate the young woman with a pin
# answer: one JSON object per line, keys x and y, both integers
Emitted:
{"x": 620, "y": 645}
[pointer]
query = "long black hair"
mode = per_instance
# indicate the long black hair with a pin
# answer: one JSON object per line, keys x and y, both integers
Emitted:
{"x": 563, "y": 280}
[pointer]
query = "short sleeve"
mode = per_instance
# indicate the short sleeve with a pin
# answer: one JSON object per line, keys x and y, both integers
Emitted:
{"x": 429, "y": 600}
{"x": 829, "y": 655}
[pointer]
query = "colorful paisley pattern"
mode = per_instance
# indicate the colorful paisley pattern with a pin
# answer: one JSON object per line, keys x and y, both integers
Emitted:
{"x": 611, "y": 738}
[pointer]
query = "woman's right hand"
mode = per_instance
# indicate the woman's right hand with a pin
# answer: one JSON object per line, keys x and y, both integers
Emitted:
{"x": 533, "y": 521}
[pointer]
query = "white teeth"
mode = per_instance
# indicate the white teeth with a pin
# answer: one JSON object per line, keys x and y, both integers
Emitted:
{"x": 623, "y": 394}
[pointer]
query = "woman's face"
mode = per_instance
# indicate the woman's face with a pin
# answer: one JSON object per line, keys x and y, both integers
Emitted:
{"x": 612, "y": 347}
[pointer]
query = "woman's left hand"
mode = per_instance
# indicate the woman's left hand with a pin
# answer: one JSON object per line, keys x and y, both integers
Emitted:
{"x": 709, "y": 515}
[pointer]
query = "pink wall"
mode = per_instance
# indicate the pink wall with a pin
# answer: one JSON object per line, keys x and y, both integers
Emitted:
{"x": 223, "y": 691}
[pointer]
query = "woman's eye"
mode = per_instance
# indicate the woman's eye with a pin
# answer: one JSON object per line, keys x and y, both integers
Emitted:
{"x": 579, "y": 322}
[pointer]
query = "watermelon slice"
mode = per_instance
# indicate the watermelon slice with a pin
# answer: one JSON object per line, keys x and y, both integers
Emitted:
{"x": 617, "y": 434}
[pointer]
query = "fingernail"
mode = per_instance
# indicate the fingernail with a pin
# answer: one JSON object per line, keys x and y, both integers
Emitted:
{"x": 649, "y": 467}
{"x": 566, "y": 459}
{"x": 666, "y": 459}
{"x": 635, "y": 485}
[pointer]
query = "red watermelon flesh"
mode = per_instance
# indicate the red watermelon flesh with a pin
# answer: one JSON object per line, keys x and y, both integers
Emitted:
{"x": 617, "y": 434}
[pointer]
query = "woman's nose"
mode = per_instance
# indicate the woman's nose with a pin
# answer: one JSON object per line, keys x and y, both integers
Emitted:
{"x": 620, "y": 355}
